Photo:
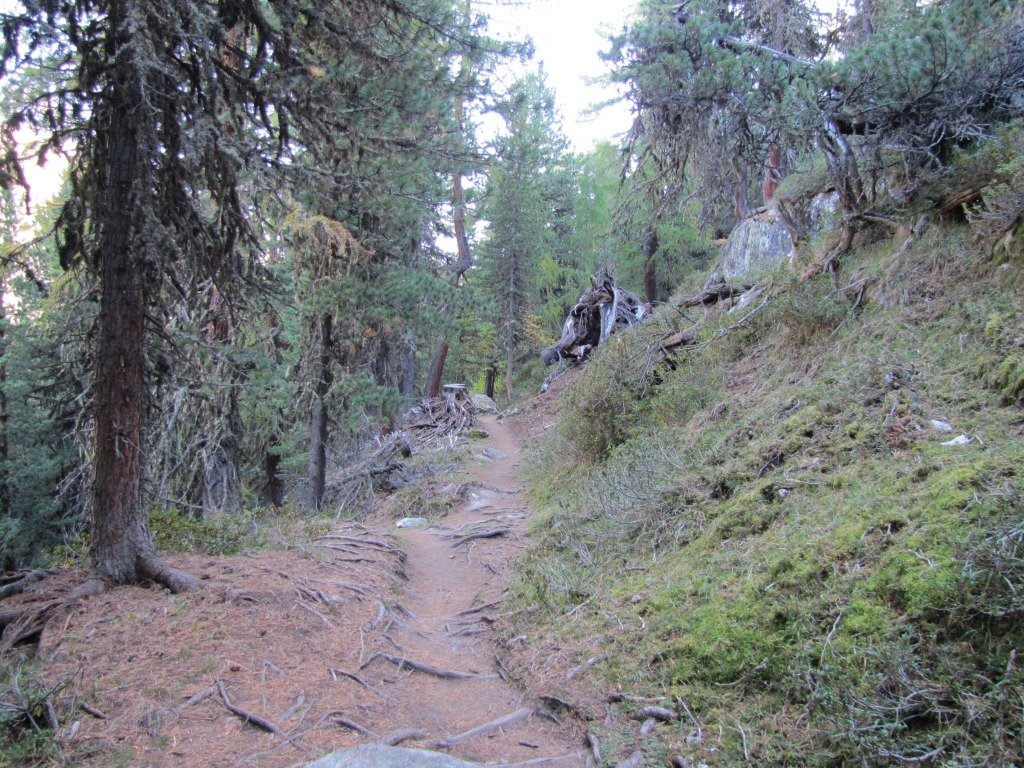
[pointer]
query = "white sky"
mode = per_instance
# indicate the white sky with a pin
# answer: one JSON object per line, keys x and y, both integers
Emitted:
{"x": 567, "y": 35}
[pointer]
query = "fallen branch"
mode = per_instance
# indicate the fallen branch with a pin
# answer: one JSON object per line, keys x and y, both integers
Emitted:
{"x": 203, "y": 694}
{"x": 714, "y": 294}
{"x": 502, "y": 722}
{"x": 93, "y": 711}
{"x": 256, "y": 720}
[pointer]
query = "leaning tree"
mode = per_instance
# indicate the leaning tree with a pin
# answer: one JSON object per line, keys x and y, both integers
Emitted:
{"x": 178, "y": 116}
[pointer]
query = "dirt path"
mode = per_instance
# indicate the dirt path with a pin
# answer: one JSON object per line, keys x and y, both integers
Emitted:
{"x": 308, "y": 639}
{"x": 455, "y": 589}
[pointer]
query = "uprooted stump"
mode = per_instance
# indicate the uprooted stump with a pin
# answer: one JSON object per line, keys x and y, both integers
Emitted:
{"x": 599, "y": 312}
{"x": 435, "y": 417}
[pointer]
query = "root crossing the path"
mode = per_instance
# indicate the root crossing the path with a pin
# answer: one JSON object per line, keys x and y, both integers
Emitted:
{"x": 437, "y": 660}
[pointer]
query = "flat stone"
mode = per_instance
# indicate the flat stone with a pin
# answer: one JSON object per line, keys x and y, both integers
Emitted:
{"x": 380, "y": 756}
{"x": 493, "y": 453}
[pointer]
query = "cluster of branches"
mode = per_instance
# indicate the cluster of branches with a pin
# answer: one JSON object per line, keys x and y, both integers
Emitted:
{"x": 727, "y": 94}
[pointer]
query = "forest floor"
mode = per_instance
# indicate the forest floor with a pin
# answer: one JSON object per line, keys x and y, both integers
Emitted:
{"x": 372, "y": 633}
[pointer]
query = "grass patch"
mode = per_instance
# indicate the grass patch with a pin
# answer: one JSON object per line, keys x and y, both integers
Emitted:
{"x": 771, "y": 531}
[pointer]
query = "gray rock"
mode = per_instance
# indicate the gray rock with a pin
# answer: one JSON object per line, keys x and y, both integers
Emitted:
{"x": 484, "y": 404}
{"x": 411, "y": 522}
{"x": 825, "y": 213}
{"x": 493, "y": 453}
{"x": 755, "y": 246}
{"x": 380, "y": 756}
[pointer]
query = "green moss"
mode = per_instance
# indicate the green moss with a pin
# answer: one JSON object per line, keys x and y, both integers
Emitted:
{"x": 775, "y": 532}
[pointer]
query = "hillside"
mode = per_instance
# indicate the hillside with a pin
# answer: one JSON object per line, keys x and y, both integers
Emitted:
{"x": 794, "y": 539}
{"x": 803, "y": 533}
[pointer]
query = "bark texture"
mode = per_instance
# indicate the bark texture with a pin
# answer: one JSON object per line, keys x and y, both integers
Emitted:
{"x": 120, "y": 538}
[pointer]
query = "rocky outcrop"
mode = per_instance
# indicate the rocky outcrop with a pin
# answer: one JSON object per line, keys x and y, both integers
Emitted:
{"x": 755, "y": 245}
{"x": 763, "y": 242}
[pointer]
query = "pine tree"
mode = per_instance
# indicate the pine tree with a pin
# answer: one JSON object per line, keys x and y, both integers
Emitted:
{"x": 519, "y": 209}
{"x": 184, "y": 116}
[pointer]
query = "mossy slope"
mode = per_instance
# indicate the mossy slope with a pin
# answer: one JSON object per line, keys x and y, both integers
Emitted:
{"x": 771, "y": 532}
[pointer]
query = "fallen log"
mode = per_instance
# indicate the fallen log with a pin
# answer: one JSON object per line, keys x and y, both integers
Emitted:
{"x": 597, "y": 314}
{"x": 713, "y": 294}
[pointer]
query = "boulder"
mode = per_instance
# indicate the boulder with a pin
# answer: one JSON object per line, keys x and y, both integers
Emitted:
{"x": 484, "y": 404}
{"x": 761, "y": 243}
{"x": 380, "y": 756}
{"x": 755, "y": 245}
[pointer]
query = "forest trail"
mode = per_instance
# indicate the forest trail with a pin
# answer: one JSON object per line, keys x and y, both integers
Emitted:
{"x": 356, "y": 634}
{"x": 458, "y": 572}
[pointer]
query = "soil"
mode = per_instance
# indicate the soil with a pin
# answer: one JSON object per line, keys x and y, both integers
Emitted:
{"x": 311, "y": 643}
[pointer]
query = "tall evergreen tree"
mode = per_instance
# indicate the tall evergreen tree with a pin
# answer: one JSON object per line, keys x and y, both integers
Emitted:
{"x": 179, "y": 111}
{"x": 519, "y": 208}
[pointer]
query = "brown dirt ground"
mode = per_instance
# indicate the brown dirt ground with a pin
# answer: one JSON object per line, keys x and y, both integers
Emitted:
{"x": 296, "y": 637}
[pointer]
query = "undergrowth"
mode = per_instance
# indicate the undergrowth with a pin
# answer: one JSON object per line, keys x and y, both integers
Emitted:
{"x": 774, "y": 530}
{"x": 223, "y": 535}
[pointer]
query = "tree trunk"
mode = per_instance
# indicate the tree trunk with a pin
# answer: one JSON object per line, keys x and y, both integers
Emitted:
{"x": 120, "y": 539}
{"x": 489, "y": 382}
{"x": 318, "y": 421}
{"x": 772, "y": 171}
{"x": 436, "y": 370}
{"x": 5, "y": 499}
{"x": 222, "y": 489}
{"x": 274, "y": 486}
{"x": 409, "y": 365}
{"x": 650, "y": 266}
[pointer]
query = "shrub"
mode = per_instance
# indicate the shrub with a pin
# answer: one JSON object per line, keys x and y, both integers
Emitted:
{"x": 27, "y": 717}
{"x": 224, "y": 535}
{"x": 810, "y": 308}
{"x": 998, "y": 215}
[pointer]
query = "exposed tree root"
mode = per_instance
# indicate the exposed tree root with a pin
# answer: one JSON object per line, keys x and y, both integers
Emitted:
{"x": 427, "y": 669}
{"x": 656, "y": 713}
{"x": 488, "y": 534}
{"x": 256, "y": 720}
{"x": 27, "y": 625}
{"x": 502, "y": 722}
{"x": 16, "y": 583}
{"x": 335, "y": 672}
{"x": 395, "y": 738}
{"x": 340, "y": 719}
{"x": 152, "y": 567}
{"x": 636, "y": 760}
